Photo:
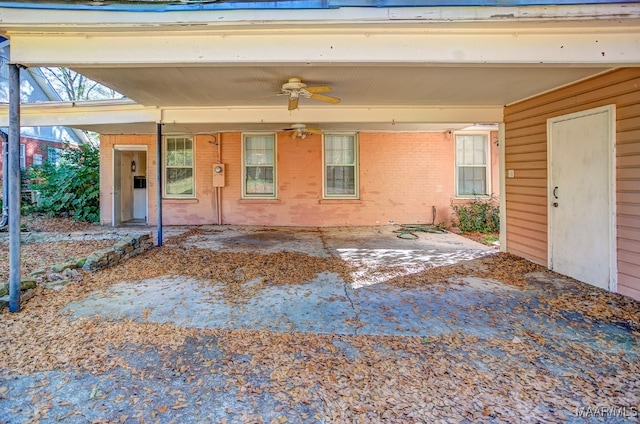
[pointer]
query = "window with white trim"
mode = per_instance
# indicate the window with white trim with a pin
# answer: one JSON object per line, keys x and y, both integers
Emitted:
{"x": 37, "y": 159}
{"x": 53, "y": 155}
{"x": 259, "y": 166}
{"x": 179, "y": 172}
{"x": 340, "y": 156}
{"x": 23, "y": 156}
{"x": 472, "y": 165}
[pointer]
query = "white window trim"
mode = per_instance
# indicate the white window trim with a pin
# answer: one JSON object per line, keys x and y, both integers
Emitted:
{"x": 23, "y": 156}
{"x": 56, "y": 151}
{"x": 275, "y": 167}
{"x": 164, "y": 167}
{"x": 487, "y": 135}
{"x": 40, "y": 159}
{"x": 356, "y": 176}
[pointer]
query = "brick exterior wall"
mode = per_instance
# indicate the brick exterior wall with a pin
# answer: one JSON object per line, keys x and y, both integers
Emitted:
{"x": 401, "y": 177}
{"x": 34, "y": 146}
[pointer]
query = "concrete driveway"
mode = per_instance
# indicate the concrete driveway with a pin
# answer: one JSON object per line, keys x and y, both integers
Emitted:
{"x": 326, "y": 304}
{"x": 221, "y": 326}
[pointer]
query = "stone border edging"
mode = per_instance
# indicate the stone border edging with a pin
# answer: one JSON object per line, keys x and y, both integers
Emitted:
{"x": 123, "y": 249}
{"x": 63, "y": 273}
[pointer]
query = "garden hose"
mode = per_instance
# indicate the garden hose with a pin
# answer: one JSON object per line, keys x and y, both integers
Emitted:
{"x": 408, "y": 231}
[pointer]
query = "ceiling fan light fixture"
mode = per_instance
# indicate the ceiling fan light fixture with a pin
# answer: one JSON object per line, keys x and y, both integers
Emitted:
{"x": 295, "y": 88}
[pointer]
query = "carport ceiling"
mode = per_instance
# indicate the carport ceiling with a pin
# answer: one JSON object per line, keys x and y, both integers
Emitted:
{"x": 367, "y": 84}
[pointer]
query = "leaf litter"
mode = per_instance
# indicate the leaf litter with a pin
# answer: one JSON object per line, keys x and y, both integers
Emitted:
{"x": 43, "y": 255}
{"x": 452, "y": 377}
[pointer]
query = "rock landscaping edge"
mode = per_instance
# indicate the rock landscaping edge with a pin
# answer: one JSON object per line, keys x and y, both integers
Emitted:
{"x": 61, "y": 274}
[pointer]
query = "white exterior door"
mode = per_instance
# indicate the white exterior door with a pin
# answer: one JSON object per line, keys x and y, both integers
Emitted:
{"x": 116, "y": 193}
{"x": 581, "y": 196}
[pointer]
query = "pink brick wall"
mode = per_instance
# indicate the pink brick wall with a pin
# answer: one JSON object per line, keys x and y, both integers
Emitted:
{"x": 402, "y": 175}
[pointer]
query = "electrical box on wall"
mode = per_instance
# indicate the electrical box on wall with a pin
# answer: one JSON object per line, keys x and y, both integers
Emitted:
{"x": 218, "y": 175}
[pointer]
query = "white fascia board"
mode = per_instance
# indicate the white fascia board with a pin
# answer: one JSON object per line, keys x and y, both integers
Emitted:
{"x": 608, "y": 48}
{"x": 78, "y": 114}
{"x": 24, "y": 18}
{"x": 336, "y": 114}
{"x": 71, "y": 114}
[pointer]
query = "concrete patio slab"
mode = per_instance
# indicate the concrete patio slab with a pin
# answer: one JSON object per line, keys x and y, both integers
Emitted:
{"x": 382, "y": 343}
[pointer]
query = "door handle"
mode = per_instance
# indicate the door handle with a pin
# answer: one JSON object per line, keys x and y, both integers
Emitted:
{"x": 555, "y": 192}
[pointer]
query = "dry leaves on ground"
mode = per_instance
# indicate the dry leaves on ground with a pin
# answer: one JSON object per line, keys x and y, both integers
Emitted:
{"x": 42, "y": 255}
{"x": 232, "y": 269}
{"x": 503, "y": 267}
{"x": 340, "y": 378}
{"x": 49, "y": 224}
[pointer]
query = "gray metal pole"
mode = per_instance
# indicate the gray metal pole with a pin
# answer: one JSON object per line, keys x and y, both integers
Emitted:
{"x": 14, "y": 188}
{"x": 159, "y": 162}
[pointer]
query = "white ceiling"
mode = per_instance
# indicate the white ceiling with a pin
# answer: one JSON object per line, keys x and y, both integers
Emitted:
{"x": 364, "y": 84}
{"x": 367, "y": 85}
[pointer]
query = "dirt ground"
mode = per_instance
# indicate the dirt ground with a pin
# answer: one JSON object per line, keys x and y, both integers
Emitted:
{"x": 561, "y": 351}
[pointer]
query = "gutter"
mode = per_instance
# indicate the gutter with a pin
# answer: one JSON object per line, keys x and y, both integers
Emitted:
{"x": 213, "y": 5}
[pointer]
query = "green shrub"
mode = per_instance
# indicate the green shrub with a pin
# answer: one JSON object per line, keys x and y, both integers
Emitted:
{"x": 481, "y": 214}
{"x": 70, "y": 188}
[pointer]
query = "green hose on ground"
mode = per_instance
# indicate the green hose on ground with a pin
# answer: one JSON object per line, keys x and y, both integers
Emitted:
{"x": 408, "y": 231}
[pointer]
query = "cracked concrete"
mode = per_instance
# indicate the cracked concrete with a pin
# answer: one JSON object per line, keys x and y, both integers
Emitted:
{"x": 326, "y": 304}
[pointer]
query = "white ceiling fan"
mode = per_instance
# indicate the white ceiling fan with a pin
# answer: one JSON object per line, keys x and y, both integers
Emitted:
{"x": 295, "y": 88}
{"x": 301, "y": 130}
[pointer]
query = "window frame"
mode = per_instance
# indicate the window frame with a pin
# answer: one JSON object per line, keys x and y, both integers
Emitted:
{"x": 249, "y": 196}
{"x": 40, "y": 159}
{"x": 23, "y": 156}
{"x": 53, "y": 155}
{"x": 487, "y": 165}
{"x": 164, "y": 166}
{"x": 356, "y": 166}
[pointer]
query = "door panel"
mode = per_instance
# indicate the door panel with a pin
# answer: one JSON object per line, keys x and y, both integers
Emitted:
{"x": 116, "y": 193}
{"x": 580, "y": 194}
{"x": 126, "y": 187}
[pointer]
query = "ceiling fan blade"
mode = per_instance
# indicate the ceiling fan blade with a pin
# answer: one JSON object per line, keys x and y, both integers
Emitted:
{"x": 323, "y": 98}
{"x": 319, "y": 89}
{"x": 314, "y": 131}
{"x": 293, "y": 103}
{"x": 265, "y": 97}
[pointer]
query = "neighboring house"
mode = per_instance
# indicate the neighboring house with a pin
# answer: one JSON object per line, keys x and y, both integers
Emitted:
{"x": 37, "y": 144}
{"x": 412, "y": 76}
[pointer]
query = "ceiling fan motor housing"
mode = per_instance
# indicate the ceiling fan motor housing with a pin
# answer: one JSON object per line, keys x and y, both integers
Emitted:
{"x": 294, "y": 84}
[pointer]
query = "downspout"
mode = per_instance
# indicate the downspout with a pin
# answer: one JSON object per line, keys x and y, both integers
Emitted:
{"x": 219, "y": 189}
{"x": 14, "y": 188}
{"x": 5, "y": 179}
{"x": 159, "y": 163}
